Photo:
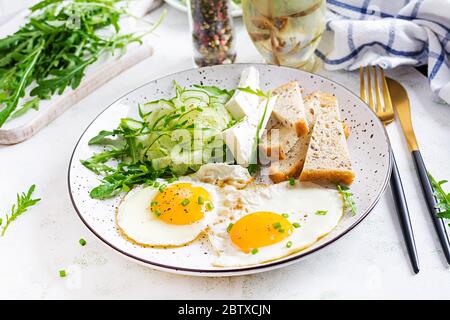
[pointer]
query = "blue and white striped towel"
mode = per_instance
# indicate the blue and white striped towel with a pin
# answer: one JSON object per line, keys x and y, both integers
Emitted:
{"x": 389, "y": 34}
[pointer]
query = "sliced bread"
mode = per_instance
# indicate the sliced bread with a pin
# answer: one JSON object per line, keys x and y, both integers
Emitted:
{"x": 293, "y": 162}
{"x": 291, "y": 165}
{"x": 289, "y": 109}
{"x": 327, "y": 158}
{"x": 277, "y": 141}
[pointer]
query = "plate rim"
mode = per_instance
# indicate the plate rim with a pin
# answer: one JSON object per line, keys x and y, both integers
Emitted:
{"x": 242, "y": 270}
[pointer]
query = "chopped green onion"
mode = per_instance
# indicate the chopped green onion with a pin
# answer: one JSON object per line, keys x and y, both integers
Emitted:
{"x": 296, "y": 225}
{"x": 1, "y": 221}
{"x": 281, "y": 230}
{"x": 172, "y": 179}
{"x": 153, "y": 203}
{"x": 209, "y": 206}
{"x": 82, "y": 242}
{"x": 292, "y": 181}
{"x": 255, "y": 251}
{"x": 185, "y": 202}
{"x": 156, "y": 184}
{"x": 62, "y": 273}
{"x": 200, "y": 200}
{"x": 321, "y": 212}
{"x": 277, "y": 225}
{"x": 162, "y": 187}
{"x": 289, "y": 244}
{"x": 285, "y": 215}
{"x": 230, "y": 226}
{"x": 157, "y": 212}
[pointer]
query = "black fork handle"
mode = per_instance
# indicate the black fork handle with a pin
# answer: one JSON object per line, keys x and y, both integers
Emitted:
{"x": 403, "y": 215}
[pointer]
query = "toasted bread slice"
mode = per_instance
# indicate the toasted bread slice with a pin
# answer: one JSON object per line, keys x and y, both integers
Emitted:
{"x": 289, "y": 109}
{"x": 278, "y": 141}
{"x": 292, "y": 163}
{"x": 327, "y": 158}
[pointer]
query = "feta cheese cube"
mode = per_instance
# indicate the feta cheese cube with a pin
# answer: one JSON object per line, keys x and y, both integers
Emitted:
{"x": 242, "y": 103}
{"x": 241, "y": 138}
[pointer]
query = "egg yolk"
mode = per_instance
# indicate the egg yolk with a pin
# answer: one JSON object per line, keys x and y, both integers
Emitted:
{"x": 259, "y": 229}
{"x": 181, "y": 204}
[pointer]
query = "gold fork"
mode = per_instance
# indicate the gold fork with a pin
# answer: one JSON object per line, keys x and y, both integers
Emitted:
{"x": 382, "y": 106}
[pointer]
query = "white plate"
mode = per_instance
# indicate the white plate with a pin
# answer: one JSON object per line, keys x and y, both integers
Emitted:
{"x": 236, "y": 10}
{"x": 368, "y": 145}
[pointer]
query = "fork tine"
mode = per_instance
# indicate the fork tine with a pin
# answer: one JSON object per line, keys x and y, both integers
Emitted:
{"x": 386, "y": 95}
{"x": 369, "y": 89}
{"x": 377, "y": 90}
{"x": 362, "y": 86}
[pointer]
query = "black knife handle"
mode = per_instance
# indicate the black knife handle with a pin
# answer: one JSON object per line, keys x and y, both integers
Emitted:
{"x": 403, "y": 215}
{"x": 431, "y": 203}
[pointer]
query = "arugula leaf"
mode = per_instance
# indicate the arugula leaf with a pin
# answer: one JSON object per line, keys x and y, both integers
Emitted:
{"x": 101, "y": 136}
{"x": 443, "y": 198}
{"x": 347, "y": 196}
{"x": 24, "y": 201}
{"x": 52, "y": 50}
{"x": 257, "y": 92}
{"x": 30, "y": 104}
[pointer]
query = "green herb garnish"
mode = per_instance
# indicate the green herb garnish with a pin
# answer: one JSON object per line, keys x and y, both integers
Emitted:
{"x": 285, "y": 215}
{"x": 276, "y": 225}
{"x": 296, "y": 225}
{"x": 173, "y": 179}
{"x": 255, "y": 251}
{"x": 200, "y": 200}
{"x": 289, "y": 244}
{"x": 292, "y": 181}
{"x": 185, "y": 202}
{"x": 347, "y": 196}
{"x": 281, "y": 230}
{"x": 209, "y": 206}
{"x": 230, "y": 226}
{"x": 23, "y": 202}
{"x": 52, "y": 50}
{"x": 443, "y": 198}
{"x": 62, "y": 273}
{"x": 157, "y": 212}
{"x": 162, "y": 187}
{"x": 321, "y": 212}
{"x": 82, "y": 242}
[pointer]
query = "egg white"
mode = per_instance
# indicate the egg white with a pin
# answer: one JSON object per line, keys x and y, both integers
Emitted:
{"x": 139, "y": 225}
{"x": 300, "y": 202}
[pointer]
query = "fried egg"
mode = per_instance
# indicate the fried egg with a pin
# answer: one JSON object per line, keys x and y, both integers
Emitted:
{"x": 168, "y": 215}
{"x": 247, "y": 223}
{"x": 268, "y": 222}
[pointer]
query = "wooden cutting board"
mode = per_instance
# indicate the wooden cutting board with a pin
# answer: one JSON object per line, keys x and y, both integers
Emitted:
{"x": 103, "y": 70}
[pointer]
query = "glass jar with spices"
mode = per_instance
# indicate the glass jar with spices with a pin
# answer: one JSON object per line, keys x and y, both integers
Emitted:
{"x": 212, "y": 32}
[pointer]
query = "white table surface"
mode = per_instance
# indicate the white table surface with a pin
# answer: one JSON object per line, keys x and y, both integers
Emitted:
{"x": 369, "y": 262}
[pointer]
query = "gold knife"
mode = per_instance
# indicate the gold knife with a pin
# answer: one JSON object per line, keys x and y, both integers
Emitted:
{"x": 400, "y": 100}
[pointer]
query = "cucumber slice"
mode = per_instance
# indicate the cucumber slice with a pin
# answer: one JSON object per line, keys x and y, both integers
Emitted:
{"x": 198, "y": 94}
{"x": 161, "y": 163}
